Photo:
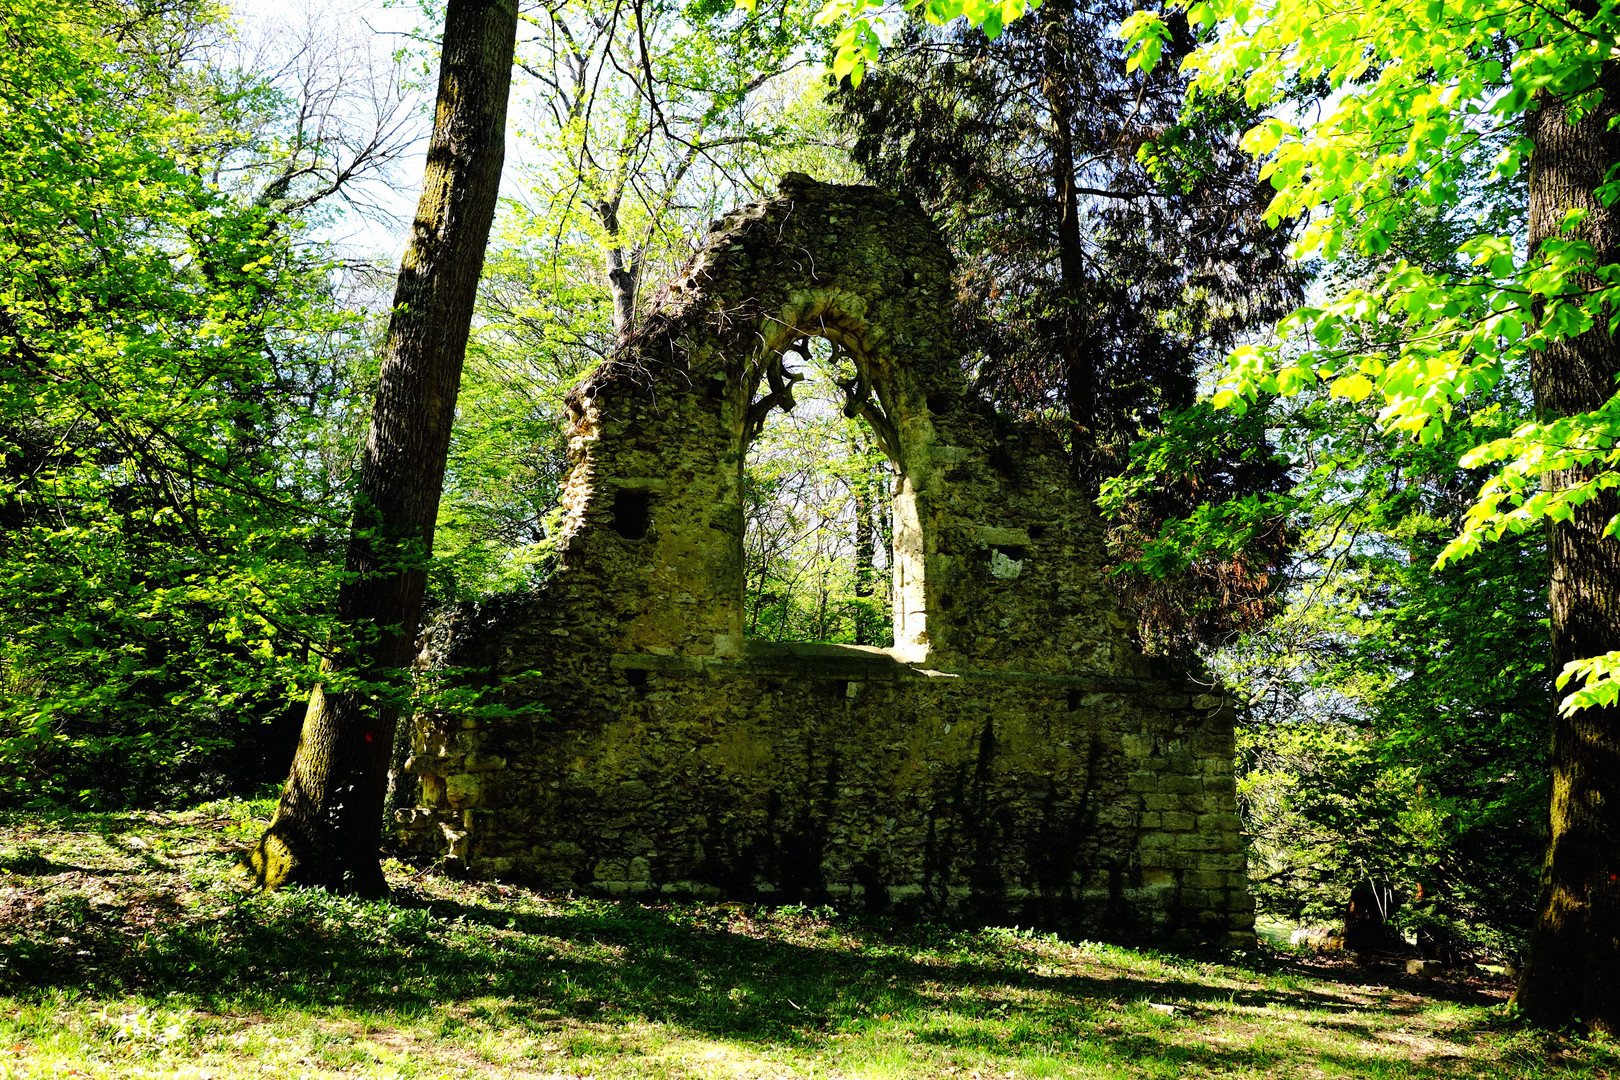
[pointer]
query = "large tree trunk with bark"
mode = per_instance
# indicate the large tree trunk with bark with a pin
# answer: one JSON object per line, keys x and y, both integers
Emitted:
{"x": 1573, "y": 972}
{"x": 328, "y": 827}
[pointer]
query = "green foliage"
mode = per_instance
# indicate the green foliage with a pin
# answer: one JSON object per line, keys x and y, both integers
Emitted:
{"x": 170, "y": 416}
{"x": 1201, "y": 528}
{"x": 1398, "y": 716}
{"x": 499, "y": 517}
{"x": 1326, "y": 813}
{"x": 857, "y": 43}
{"x": 1427, "y": 103}
{"x": 1173, "y": 263}
{"x": 817, "y": 535}
{"x": 643, "y": 123}
{"x": 1400, "y": 706}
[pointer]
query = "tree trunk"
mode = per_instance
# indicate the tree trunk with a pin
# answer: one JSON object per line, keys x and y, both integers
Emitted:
{"x": 1079, "y": 365}
{"x": 328, "y": 827}
{"x": 1573, "y": 971}
{"x": 623, "y": 273}
{"x": 865, "y": 550}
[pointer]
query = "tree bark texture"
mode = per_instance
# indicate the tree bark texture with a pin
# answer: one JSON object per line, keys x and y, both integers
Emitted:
{"x": 1079, "y": 363}
{"x": 327, "y": 829}
{"x": 623, "y": 271}
{"x": 1573, "y": 971}
{"x": 866, "y": 498}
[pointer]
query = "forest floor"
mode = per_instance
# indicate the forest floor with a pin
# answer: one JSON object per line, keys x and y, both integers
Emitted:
{"x": 131, "y": 946}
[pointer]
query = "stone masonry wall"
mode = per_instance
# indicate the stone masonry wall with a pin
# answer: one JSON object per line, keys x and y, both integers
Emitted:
{"x": 1011, "y": 759}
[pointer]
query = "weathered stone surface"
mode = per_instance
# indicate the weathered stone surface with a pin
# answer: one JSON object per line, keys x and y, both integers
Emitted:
{"x": 1010, "y": 759}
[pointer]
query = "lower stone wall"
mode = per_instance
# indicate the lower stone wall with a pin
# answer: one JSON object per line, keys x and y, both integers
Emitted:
{"x": 820, "y": 773}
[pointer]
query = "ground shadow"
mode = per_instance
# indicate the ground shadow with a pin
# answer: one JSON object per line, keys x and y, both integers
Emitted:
{"x": 713, "y": 971}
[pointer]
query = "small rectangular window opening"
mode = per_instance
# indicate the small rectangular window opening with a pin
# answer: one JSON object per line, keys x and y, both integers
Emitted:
{"x": 632, "y": 513}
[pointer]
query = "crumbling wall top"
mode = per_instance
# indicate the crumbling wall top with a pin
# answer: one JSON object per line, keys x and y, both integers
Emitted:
{"x": 995, "y": 550}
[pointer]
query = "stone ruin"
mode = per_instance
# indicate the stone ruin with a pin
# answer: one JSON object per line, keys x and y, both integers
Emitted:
{"x": 1012, "y": 759}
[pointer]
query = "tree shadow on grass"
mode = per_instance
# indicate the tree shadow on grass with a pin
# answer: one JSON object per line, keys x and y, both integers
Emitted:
{"x": 706, "y": 970}
{"x": 34, "y": 864}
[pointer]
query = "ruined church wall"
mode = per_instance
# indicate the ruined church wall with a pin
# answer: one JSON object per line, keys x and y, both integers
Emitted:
{"x": 806, "y": 773}
{"x": 1012, "y": 759}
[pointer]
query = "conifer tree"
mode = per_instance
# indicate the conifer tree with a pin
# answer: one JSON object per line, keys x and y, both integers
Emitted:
{"x": 1109, "y": 252}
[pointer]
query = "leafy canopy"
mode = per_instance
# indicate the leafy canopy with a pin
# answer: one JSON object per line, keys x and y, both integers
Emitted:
{"x": 166, "y": 411}
{"x": 1397, "y": 726}
{"x": 856, "y": 42}
{"x": 1421, "y": 99}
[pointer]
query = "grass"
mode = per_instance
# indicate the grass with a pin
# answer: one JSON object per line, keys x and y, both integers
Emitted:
{"x": 130, "y": 946}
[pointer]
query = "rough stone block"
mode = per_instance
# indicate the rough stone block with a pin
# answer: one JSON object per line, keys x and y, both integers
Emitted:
{"x": 1121, "y": 816}
{"x": 1196, "y": 844}
{"x": 1218, "y": 824}
{"x": 1145, "y": 781}
{"x": 457, "y": 841}
{"x": 462, "y": 790}
{"x": 1176, "y": 860}
{"x": 1136, "y": 746}
{"x": 415, "y": 818}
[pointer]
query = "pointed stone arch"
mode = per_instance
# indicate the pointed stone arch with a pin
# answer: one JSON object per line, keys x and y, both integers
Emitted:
{"x": 886, "y": 393}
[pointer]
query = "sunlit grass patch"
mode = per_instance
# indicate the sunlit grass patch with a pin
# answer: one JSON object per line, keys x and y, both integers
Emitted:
{"x": 131, "y": 946}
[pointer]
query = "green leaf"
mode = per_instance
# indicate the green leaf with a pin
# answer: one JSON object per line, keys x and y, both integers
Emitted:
{"x": 1355, "y": 386}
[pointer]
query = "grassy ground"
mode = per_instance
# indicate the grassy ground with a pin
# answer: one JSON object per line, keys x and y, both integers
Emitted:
{"x": 130, "y": 947}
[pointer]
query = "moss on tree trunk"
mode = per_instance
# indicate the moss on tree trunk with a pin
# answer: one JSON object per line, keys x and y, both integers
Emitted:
{"x": 1573, "y": 972}
{"x": 328, "y": 826}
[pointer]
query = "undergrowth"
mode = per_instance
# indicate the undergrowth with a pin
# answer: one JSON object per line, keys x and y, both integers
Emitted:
{"x": 131, "y": 946}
